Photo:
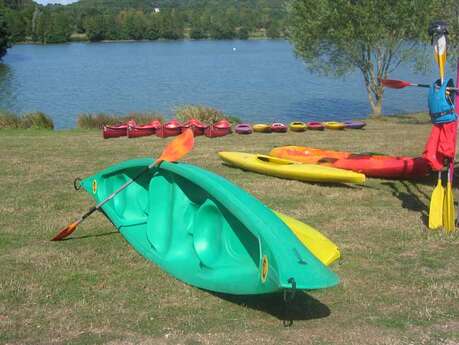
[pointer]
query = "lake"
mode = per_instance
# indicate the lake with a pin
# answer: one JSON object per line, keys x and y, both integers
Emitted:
{"x": 256, "y": 80}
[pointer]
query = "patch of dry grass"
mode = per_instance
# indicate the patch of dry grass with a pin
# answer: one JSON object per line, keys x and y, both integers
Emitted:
{"x": 400, "y": 282}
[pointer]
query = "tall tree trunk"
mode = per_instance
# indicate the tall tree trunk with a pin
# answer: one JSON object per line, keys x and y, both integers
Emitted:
{"x": 375, "y": 93}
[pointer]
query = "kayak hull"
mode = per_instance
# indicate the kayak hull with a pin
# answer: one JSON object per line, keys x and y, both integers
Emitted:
{"x": 261, "y": 128}
{"x": 297, "y": 126}
{"x": 319, "y": 245}
{"x": 243, "y": 128}
{"x": 278, "y": 127}
{"x": 114, "y": 131}
{"x": 354, "y": 124}
{"x": 205, "y": 231}
{"x": 315, "y": 126}
{"x": 334, "y": 125}
{"x": 368, "y": 164}
{"x": 171, "y": 128}
{"x": 289, "y": 169}
{"x": 196, "y": 126}
{"x": 218, "y": 129}
{"x": 140, "y": 131}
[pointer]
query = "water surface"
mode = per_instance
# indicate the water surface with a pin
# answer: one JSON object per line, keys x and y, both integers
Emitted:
{"x": 253, "y": 80}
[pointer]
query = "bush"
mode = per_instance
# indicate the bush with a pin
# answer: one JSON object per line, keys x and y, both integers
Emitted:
{"x": 8, "y": 120}
{"x": 202, "y": 113}
{"x": 36, "y": 120}
{"x": 89, "y": 121}
{"x": 30, "y": 120}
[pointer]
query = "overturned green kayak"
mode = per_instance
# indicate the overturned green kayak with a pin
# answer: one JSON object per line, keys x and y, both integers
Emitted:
{"x": 206, "y": 231}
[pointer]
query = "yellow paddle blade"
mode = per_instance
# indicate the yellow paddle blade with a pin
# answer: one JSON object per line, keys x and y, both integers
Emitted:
{"x": 449, "y": 214}
{"x": 440, "y": 55}
{"x": 436, "y": 206}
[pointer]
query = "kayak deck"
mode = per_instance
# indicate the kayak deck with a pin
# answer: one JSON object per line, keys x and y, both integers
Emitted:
{"x": 289, "y": 169}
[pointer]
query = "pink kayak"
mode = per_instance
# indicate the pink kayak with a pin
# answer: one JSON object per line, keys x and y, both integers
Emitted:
{"x": 278, "y": 127}
{"x": 314, "y": 125}
{"x": 243, "y": 128}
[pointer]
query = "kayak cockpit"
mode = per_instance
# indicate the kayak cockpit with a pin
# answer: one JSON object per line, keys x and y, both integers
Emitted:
{"x": 181, "y": 227}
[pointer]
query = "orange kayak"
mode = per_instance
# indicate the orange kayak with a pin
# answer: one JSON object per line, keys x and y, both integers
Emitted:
{"x": 372, "y": 165}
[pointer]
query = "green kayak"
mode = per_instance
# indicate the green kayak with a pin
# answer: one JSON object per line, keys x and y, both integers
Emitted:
{"x": 206, "y": 231}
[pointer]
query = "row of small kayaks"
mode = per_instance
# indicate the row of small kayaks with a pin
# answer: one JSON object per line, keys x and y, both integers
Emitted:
{"x": 168, "y": 129}
{"x": 316, "y": 165}
{"x": 296, "y": 126}
{"x": 218, "y": 129}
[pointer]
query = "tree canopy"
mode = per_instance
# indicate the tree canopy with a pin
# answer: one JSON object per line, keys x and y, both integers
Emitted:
{"x": 372, "y": 36}
{"x": 4, "y": 37}
{"x": 97, "y": 20}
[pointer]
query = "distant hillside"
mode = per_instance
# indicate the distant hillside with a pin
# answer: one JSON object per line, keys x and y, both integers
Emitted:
{"x": 16, "y": 4}
{"x": 98, "y": 20}
{"x": 150, "y": 4}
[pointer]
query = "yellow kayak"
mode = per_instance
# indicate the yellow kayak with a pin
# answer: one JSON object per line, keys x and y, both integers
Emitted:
{"x": 261, "y": 128}
{"x": 319, "y": 245}
{"x": 289, "y": 169}
{"x": 334, "y": 125}
{"x": 297, "y": 126}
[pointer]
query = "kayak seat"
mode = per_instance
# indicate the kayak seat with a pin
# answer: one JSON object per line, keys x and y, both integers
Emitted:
{"x": 207, "y": 233}
{"x": 274, "y": 160}
{"x": 160, "y": 214}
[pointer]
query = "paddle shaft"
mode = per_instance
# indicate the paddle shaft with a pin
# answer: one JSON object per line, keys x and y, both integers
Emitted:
{"x": 428, "y": 86}
{"x": 111, "y": 196}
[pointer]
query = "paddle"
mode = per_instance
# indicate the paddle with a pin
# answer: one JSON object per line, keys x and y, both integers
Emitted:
{"x": 175, "y": 150}
{"x": 400, "y": 84}
{"x": 449, "y": 214}
{"x": 445, "y": 207}
{"x": 436, "y": 205}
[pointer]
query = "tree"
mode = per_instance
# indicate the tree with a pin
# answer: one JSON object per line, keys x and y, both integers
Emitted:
{"x": 95, "y": 28}
{"x": 171, "y": 25}
{"x": 198, "y": 29}
{"x": 4, "y": 37}
{"x": 373, "y": 36}
{"x": 60, "y": 29}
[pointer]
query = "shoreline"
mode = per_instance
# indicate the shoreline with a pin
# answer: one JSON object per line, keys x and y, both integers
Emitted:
{"x": 158, "y": 40}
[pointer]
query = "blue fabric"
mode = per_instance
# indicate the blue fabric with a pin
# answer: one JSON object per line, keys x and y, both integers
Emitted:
{"x": 441, "y": 106}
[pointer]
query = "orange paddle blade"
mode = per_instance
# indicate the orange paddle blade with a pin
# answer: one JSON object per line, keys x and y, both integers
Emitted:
{"x": 66, "y": 231}
{"x": 178, "y": 147}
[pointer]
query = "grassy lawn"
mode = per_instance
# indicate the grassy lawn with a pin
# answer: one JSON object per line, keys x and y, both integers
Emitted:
{"x": 400, "y": 281}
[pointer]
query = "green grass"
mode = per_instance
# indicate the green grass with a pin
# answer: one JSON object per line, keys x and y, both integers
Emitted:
{"x": 400, "y": 281}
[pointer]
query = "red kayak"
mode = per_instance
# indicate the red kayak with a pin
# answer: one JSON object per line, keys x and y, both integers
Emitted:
{"x": 218, "y": 129}
{"x": 372, "y": 165}
{"x": 136, "y": 131}
{"x": 196, "y": 126}
{"x": 109, "y": 131}
{"x": 169, "y": 129}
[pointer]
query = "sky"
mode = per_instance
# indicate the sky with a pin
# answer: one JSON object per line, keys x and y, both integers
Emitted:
{"x": 64, "y": 2}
